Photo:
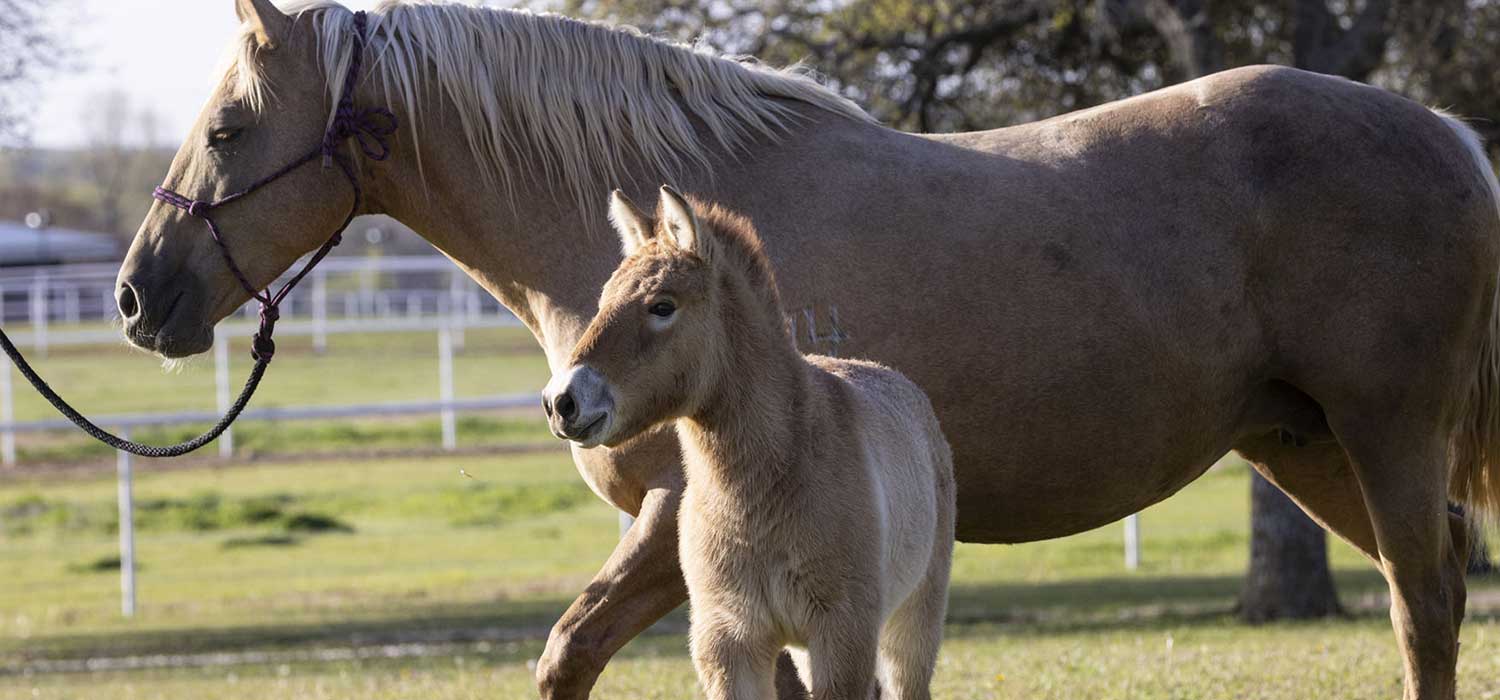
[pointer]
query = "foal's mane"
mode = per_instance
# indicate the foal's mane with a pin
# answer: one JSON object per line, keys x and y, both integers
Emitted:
{"x": 577, "y": 101}
{"x": 738, "y": 243}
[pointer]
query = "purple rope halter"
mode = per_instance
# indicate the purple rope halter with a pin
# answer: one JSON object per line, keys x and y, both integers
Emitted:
{"x": 370, "y": 129}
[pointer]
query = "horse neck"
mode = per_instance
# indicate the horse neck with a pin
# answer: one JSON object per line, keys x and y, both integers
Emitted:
{"x": 534, "y": 250}
{"x": 744, "y": 435}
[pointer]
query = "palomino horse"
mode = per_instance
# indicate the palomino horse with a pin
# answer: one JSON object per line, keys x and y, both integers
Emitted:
{"x": 818, "y": 512}
{"x": 1099, "y": 305}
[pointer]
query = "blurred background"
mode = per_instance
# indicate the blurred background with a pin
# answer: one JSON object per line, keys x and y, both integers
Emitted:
{"x": 376, "y": 533}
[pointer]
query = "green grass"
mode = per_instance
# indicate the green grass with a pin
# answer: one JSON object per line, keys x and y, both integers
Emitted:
{"x": 430, "y": 555}
{"x": 1209, "y": 660}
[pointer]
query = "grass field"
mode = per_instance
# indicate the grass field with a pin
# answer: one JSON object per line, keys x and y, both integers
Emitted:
{"x": 469, "y": 573}
{"x": 380, "y": 578}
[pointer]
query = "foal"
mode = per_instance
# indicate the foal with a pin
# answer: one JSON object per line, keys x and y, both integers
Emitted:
{"x": 819, "y": 507}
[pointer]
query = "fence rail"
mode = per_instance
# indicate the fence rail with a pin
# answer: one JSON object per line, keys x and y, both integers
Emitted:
{"x": 437, "y": 297}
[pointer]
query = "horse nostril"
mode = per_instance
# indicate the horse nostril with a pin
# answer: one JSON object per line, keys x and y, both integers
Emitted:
{"x": 547, "y": 406}
{"x": 130, "y": 306}
{"x": 566, "y": 408}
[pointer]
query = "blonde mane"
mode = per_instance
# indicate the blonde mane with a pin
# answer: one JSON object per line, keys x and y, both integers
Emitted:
{"x": 578, "y": 102}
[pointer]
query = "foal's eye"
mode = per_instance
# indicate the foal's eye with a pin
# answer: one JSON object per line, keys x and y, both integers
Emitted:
{"x": 663, "y": 309}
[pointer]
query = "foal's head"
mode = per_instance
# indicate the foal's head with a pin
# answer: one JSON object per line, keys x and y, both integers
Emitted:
{"x": 693, "y": 288}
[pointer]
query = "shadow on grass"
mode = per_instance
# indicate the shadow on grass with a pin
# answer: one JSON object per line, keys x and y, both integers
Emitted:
{"x": 1131, "y": 601}
{"x": 1089, "y": 605}
{"x": 415, "y": 624}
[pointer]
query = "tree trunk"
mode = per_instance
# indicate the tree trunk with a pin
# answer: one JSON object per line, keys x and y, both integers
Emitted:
{"x": 1289, "y": 577}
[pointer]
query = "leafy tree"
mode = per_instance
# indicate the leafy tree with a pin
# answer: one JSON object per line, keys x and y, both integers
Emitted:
{"x": 950, "y": 65}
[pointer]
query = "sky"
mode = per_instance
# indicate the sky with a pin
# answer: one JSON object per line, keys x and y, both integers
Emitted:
{"x": 160, "y": 53}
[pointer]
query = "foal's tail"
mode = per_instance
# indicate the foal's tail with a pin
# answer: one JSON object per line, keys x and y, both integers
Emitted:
{"x": 1474, "y": 449}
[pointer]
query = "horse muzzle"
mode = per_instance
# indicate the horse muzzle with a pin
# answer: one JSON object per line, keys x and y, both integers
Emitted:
{"x": 578, "y": 405}
{"x": 165, "y": 316}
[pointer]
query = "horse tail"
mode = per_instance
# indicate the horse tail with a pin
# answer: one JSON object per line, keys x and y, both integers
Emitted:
{"x": 1474, "y": 449}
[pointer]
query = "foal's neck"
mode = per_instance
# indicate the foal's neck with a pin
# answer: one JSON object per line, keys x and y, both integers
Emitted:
{"x": 747, "y": 431}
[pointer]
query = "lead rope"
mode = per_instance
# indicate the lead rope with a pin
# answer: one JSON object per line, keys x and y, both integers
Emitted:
{"x": 369, "y": 128}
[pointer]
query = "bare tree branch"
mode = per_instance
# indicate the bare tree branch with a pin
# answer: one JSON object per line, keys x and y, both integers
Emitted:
{"x": 1320, "y": 44}
{"x": 1189, "y": 34}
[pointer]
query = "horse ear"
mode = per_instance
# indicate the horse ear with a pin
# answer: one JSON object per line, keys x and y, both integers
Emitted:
{"x": 681, "y": 224}
{"x": 269, "y": 23}
{"x": 632, "y": 225}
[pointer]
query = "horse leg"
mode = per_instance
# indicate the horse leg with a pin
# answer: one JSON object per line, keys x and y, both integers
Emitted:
{"x": 1401, "y": 464}
{"x": 1316, "y": 476}
{"x": 640, "y": 583}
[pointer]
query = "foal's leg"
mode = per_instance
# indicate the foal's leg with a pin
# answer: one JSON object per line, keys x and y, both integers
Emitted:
{"x": 639, "y": 584}
{"x": 910, "y": 639}
{"x": 1401, "y": 464}
{"x": 732, "y": 663}
{"x": 842, "y": 649}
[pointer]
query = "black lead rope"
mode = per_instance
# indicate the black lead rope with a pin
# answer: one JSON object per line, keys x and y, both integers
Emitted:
{"x": 118, "y": 442}
{"x": 369, "y": 128}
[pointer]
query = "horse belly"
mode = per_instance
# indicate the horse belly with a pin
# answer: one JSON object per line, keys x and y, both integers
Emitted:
{"x": 1072, "y": 390}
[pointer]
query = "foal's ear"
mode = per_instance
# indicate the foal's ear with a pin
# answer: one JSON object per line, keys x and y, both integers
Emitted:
{"x": 681, "y": 224}
{"x": 270, "y": 24}
{"x": 632, "y": 225}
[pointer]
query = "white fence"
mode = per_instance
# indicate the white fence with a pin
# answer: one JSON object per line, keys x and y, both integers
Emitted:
{"x": 387, "y": 289}
{"x": 343, "y": 295}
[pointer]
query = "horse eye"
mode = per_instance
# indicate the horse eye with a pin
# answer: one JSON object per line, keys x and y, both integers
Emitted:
{"x": 224, "y": 137}
{"x": 662, "y": 309}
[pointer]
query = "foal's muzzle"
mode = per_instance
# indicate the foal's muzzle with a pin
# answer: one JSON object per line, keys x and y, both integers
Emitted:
{"x": 578, "y": 405}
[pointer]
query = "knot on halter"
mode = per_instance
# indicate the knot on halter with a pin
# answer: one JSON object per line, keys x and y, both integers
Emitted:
{"x": 198, "y": 208}
{"x": 262, "y": 348}
{"x": 371, "y": 128}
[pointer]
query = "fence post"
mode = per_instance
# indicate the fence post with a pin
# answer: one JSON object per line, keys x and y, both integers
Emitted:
{"x": 70, "y": 304}
{"x": 7, "y": 414}
{"x": 320, "y": 311}
{"x": 1133, "y": 541}
{"x": 127, "y": 530}
{"x": 221, "y": 391}
{"x": 456, "y": 307}
{"x": 39, "y": 293}
{"x": 445, "y": 384}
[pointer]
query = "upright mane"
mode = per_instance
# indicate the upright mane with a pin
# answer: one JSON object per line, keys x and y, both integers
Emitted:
{"x": 741, "y": 248}
{"x": 576, "y": 101}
